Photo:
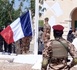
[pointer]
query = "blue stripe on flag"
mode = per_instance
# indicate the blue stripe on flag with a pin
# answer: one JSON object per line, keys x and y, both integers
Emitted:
{"x": 26, "y": 24}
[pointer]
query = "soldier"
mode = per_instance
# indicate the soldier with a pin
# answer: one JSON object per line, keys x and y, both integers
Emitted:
{"x": 18, "y": 49}
{"x": 46, "y": 31}
{"x": 25, "y": 44}
{"x": 40, "y": 44}
{"x": 71, "y": 36}
{"x": 55, "y": 53}
{"x": 1, "y": 41}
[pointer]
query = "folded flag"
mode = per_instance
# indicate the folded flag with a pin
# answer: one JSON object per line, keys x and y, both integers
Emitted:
{"x": 20, "y": 28}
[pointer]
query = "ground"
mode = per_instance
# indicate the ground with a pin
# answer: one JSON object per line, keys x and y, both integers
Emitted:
{"x": 22, "y": 62}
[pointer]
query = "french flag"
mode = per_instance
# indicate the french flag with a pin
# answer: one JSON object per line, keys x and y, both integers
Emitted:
{"x": 20, "y": 28}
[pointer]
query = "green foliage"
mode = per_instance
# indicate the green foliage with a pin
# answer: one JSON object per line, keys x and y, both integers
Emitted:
{"x": 41, "y": 23}
{"x": 7, "y": 12}
{"x": 33, "y": 7}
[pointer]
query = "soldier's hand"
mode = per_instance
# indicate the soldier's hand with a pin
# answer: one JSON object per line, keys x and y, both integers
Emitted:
{"x": 75, "y": 61}
{"x": 43, "y": 69}
{"x": 68, "y": 67}
{"x": 44, "y": 63}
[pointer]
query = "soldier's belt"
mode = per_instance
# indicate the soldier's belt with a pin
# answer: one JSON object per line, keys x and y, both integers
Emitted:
{"x": 57, "y": 60}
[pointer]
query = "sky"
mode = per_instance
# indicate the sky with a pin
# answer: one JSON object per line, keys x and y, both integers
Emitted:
{"x": 25, "y": 4}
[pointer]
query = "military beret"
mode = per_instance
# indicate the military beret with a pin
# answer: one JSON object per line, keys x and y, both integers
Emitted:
{"x": 58, "y": 27}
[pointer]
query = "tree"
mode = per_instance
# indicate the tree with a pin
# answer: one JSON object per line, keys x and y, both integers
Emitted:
{"x": 33, "y": 7}
{"x": 7, "y": 12}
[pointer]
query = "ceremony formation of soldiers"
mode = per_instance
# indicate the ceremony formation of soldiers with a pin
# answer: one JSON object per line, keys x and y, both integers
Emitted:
{"x": 54, "y": 51}
{"x": 19, "y": 47}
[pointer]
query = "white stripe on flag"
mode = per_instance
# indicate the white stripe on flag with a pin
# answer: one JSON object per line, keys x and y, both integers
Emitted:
{"x": 17, "y": 30}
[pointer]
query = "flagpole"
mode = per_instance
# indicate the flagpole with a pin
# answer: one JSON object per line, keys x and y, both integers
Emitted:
{"x": 36, "y": 27}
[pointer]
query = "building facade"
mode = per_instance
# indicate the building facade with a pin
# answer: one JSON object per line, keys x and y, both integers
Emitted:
{"x": 62, "y": 12}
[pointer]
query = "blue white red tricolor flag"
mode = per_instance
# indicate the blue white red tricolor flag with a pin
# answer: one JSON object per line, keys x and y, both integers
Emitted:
{"x": 20, "y": 28}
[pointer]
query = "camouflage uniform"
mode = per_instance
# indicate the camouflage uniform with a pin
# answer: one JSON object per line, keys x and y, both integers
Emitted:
{"x": 46, "y": 33}
{"x": 25, "y": 44}
{"x": 55, "y": 54}
{"x": 18, "y": 47}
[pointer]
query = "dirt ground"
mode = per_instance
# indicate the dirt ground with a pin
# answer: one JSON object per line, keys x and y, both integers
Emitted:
{"x": 4, "y": 65}
{"x": 74, "y": 68}
{"x": 14, "y": 66}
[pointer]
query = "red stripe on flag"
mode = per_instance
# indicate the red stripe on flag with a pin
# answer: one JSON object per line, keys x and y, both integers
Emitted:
{"x": 7, "y": 34}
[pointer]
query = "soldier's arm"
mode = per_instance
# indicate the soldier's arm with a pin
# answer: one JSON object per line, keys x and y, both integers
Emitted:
{"x": 45, "y": 56}
{"x": 44, "y": 36}
{"x": 74, "y": 55}
{"x": 50, "y": 29}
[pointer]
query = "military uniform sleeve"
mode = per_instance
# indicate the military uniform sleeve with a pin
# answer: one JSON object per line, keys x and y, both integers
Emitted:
{"x": 50, "y": 28}
{"x": 44, "y": 28}
{"x": 73, "y": 51}
{"x": 46, "y": 54}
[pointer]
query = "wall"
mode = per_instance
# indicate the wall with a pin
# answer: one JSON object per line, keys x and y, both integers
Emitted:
{"x": 59, "y": 12}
